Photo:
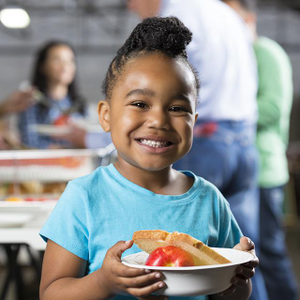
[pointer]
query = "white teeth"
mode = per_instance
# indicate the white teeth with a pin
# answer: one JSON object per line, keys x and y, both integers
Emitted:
{"x": 155, "y": 144}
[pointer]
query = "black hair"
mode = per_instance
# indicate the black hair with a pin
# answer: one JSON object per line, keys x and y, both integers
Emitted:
{"x": 165, "y": 35}
{"x": 40, "y": 81}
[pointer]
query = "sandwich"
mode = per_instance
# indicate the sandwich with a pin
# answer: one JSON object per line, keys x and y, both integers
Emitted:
{"x": 150, "y": 240}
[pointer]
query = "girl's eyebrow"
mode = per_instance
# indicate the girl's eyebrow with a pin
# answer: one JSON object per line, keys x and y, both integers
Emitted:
{"x": 144, "y": 92}
{"x": 151, "y": 93}
{"x": 182, "y": 97}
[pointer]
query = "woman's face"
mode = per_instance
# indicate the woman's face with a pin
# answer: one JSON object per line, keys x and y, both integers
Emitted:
{"x": 60, "y": 66}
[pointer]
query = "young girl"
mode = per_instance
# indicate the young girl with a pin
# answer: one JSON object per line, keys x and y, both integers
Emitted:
{"x": 54, "y": 76}
{"x": 151, "y": 93}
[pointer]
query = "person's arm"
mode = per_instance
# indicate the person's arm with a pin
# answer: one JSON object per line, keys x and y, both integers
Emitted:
{"x": 275, "y": 84}
{"x": 241, "y": 287}
{"x": 80, "y": 138}
{"x": 16, "y": 102}
{"x": 4, "y": 144}
{"x": 75, "y": 136}
{"x": 63, "y": 276}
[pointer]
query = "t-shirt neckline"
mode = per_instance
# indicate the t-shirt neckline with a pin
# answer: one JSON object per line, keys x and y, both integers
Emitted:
{"x": 191, "y": 193}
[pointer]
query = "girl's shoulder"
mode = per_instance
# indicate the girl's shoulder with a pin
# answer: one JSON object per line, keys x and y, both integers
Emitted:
{"x": 99, "y": 175}
{"x": 199, "y": 181}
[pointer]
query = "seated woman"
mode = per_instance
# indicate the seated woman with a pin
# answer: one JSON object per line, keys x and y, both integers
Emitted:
{"x": 57, "y": 97}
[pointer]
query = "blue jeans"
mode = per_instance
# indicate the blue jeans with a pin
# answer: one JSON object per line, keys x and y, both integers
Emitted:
{"x": 274, "y": 260}
{"x": 225, "y": 155}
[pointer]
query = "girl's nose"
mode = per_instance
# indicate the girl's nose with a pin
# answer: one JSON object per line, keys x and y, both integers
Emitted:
{"x": 158, "y": 119}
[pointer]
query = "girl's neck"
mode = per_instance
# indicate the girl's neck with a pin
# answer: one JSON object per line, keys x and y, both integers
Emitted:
{"x": 57, "y": 91}
{"x": 165, "y": 182}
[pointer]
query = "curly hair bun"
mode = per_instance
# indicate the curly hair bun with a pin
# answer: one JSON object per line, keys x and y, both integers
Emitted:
{"x": 168, "y": 35}
{"x": 165, "y": 35}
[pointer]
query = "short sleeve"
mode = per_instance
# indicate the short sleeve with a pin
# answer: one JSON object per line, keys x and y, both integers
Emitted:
{"x": 230, "y": 232}
{"x": 67, "y": 224}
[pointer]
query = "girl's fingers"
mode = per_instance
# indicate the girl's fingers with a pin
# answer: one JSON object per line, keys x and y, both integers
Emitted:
{"x": 117, "y": 250}
{"x": 121, "y": 270}
{"x": 246, "y": 244}
{"x": 245, "y": 272}
{"x": 142, "y": 281}
{"x": 253, "y": 263}
{"x": 239, "y": 281}
{"x": 147, "y": 290}
{"x": 229, "y": 291}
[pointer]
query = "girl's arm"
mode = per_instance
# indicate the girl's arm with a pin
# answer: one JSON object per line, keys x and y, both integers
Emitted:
{"x": 63, "y": 276}
{"x": 241, "y": 284}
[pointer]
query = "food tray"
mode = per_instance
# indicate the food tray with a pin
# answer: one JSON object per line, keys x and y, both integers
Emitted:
{"x": 51, "y": 165}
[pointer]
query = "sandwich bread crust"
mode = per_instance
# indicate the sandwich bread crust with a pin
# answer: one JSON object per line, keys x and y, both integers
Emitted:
{"x": 149, "y": 240}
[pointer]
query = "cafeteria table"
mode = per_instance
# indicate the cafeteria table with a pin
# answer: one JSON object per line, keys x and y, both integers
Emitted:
{"x": 20, "y": 221}
{"x": 20, "y": 224}
{"x": 12, "y": 241}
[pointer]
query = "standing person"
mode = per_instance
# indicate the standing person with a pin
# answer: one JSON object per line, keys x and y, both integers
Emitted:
{"x": 54, "y": 76}
{"x": 150, "y": 109}
{"x": 223, "y": 151}
{"x": 274, "y": 98}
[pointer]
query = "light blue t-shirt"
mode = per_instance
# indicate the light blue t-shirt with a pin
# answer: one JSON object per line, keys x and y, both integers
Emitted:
{"x": 100, "y": 209}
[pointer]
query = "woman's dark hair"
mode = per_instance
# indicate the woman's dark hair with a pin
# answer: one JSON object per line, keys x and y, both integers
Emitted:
{"x": 39, "y": 79}
{"x": 165, "y": 35}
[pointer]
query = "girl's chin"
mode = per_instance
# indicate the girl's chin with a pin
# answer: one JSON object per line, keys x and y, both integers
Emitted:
{"x": 154, "y": 167}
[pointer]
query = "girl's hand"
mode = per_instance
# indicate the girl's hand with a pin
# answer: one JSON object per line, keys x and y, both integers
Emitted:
{"x": 117, "y": 278}
{"x": 243, "y": 272}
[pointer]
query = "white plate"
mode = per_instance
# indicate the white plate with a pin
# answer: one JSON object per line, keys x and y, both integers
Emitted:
{"x": 236, "y": 257}
{"x": 51, "y": 130}
{"x": 196, "y": 280}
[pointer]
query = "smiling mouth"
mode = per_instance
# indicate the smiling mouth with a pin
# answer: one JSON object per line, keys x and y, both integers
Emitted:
{"x": 155, "y": 144}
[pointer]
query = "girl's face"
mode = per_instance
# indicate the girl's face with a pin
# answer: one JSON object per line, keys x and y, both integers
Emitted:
{"x": 60, "y": 67}
{"x": 151, "y": 113}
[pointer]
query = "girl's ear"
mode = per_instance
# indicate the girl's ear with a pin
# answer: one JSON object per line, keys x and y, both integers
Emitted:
{"x": 104, "y": 114}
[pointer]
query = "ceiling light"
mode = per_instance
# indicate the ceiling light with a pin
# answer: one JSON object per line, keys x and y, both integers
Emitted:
{"x": 14, "y": 17}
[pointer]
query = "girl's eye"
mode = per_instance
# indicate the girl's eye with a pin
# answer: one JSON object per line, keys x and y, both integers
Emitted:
{"x": 178, "y": 109}
{"x": 139, "y": 104}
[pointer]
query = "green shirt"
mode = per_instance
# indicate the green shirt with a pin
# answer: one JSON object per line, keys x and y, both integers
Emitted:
{"x": 275, "y": 96}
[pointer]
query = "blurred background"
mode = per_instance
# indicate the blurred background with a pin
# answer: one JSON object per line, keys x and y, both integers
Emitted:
{"x": 96, "y": 29}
